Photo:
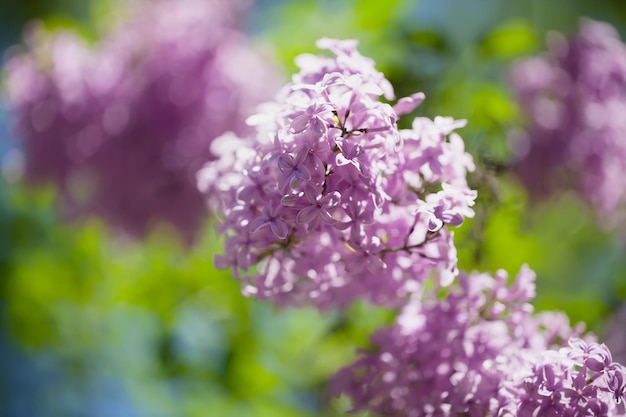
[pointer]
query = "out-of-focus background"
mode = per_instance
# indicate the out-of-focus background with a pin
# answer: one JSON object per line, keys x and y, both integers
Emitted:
{"x": 96, "y": 324}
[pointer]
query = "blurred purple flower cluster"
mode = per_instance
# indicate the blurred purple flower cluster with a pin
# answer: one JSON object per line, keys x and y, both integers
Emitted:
{"x": 479, "y": 351}
{"x": 328, "y": 201}
{"x": 575, "y": 100}
{"x": 122, "y": 127}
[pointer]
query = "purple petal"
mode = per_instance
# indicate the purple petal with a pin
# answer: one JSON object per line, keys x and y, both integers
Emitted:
{"x": 331, "y": 200}
{"x": 286, "y": 162}
{"x": 326, "y": 217}
{"x": 316, "y": 167}
{"x": 434, "y": 224}
{"x": 407, "y": 104}
{"x": 548, "y": 376}
{"x": 302, "y": 173}
{"x": 258, "y": 224}
{"x": 357, "y": 232}
{"x": 578, "y": 344}
{"x": 354, "y": 264}
{"x": 595, "y": 364}
{"x": 248, "y": 193}
{"x": 342, "y": 225}
{"x": 314, "y": 224}
{"x": 307, "y": 214}
{"x": 527, "y": 409}
{"x": 294, "y": 182}
{"x": 341, "y": 160}
{"x": 283, "y": 180}
{"x": 318, "y": 126}
{"x": 301, "y": 155}
{"x": 579, "y": 381}
{"x": 300, "y": 123}
{"x": 311, "y": 193}
{"x": 615, "y": 380}
{"x": 289, "y": 200}
{"x": 325, "y": 107}
{"x": 375, "y": 264}
{"x": 598, "y": 408}
{"x": 452, "y": 218}
{"x": 244, "y": 259}
{"x": 280, "y": 229}
{"x": 221, "y": 262}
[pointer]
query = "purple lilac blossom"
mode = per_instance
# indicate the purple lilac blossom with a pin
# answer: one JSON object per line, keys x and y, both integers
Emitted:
{"x": 328, "y": 201}
{"x": 479, "y": 351}
{"x": 575, "y": 98}
{"x": 122, "y": 128}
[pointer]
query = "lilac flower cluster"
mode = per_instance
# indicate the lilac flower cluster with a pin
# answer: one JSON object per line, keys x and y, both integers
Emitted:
{"x": 480, "y": 351}
{"x": 578, "y": 380}
{"x": 574, "y": 97}
{"x": 122, "y": 128}
{"x": 328, "y": 201}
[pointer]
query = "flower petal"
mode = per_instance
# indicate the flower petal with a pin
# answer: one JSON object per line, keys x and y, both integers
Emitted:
{"x": 280, "y": 229}
{"x": 289, "y": 200}
{"x": 300, "y": 123}
{"x": 307, "y": 214}
{"x": 286, "y": 162}
{"x": 354, "y": 264}
{"x": 326, "y": 217}
{"x": 302, "y": 173}
{"x": 318, "y": 126}
{"x": 407, "y": 104}
{"x": 375, "y": 264}
{"x": 341, "y": 160}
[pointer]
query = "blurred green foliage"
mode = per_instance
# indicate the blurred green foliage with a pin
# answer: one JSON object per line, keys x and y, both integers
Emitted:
{"x": 158, "y": 316}
{"x": 95, "y": 324}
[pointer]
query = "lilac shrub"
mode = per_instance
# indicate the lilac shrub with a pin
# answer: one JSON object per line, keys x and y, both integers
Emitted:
{"x": 328, "y": 201}
{"x": 122, "y": 128}
{"x": 574, "y": 98}
{"x": 479, "y": 351}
